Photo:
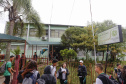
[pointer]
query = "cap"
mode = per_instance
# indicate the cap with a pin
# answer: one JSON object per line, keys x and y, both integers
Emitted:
{"x": 81, "y": 61}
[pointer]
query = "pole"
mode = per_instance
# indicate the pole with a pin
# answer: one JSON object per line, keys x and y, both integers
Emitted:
{"x": 25, "y": 48}
{"x": 92, "y": 31}
{"x": 106, "y": 57}
{"x": 32, "y": 50}
{"x": 27, "y": 38}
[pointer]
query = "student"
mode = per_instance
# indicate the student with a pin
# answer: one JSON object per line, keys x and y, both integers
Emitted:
{"x": 101, "y": 79}
{"x": 22, "y": 59}
{"x": 117, "y": 71}
{"x": 47, "y": 77}
{"x": 82, "y": 73}
{"x": 53, "y": 68}
{"x": 35, "y": 56}
{"x": 8, "y": 70}
{"x": 63, "y": 73}
{"x": 122, "y": 77}
{"x": 31, "y": 70}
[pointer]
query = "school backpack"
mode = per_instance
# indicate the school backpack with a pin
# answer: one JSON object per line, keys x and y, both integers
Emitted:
{"x": 2, "y": 68}
{"x": 110, "y": 79}
{"x": 41, "y": 81}
{"x": 30, "y": 80}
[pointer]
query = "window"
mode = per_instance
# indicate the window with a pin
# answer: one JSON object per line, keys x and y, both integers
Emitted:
{"x": 32, "y": 32}
{"x": 57, "y": 33}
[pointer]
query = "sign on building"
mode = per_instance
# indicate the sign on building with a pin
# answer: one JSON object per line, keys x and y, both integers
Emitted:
{"x": 113, "y": 35}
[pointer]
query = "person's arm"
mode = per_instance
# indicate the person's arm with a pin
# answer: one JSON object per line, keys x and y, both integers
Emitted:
{"x": 98, "y": 81}
{"x": 67, "y": 72}
{"x": 9, "y": 69}
{"x": 55, "y": 75}
{"x": 13, "y": 70}
{"x": 85, "y": 70}
{"x": 60, "y": 72}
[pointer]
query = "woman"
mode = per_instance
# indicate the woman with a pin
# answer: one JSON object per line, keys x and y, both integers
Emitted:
{"x": 63, "y": 73}
{"x": 30, "y": 71}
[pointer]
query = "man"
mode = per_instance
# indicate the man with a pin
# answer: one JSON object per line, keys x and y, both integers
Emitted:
{"x": 101, "y": 79}
{"x": 22, "y": 59}
{"x": 53, "y": 68}
{"x": 8, "y": 70}
{"x": 82, "y": 72}
{"x": 117, "y": 70}
{"x": 35, "y": 57}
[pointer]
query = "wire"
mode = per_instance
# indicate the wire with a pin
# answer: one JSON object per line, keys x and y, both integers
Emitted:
{"x": 71, "y": 12}
{"x": 51, "y": 12}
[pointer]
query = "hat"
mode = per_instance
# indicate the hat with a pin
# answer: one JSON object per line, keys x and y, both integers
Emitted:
{"x": 54, "y": 61}
{"x": 81, "y": 61}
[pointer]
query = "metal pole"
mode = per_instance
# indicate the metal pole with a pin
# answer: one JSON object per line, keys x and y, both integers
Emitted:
{"x": 27, "y": 38}
{"x": 106, "y": 57}
{"x": 92, "y": 31}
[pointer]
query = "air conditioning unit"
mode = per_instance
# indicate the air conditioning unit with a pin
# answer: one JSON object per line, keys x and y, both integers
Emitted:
{"x": 44, "y": 38}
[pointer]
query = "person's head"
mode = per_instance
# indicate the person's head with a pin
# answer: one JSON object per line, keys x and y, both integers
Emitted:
{"x": 81, "y": 62}
{"x": 22, "y": 54}
{"x": 11, "y": 58}
{"x": 32, "y": 65}
{"x": 119, "y": 66}
{"x": 64, "y": 65}
{"x": 124, "y": 72}
{"x": 98, "y": 68}
{"x": 35, "y": 53}
{"x": 54, "y": 62}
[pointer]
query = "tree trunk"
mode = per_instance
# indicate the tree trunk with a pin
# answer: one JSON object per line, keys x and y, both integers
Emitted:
{"x": 11, "y": 26}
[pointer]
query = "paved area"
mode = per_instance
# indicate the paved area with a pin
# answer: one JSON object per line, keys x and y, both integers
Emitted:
{"x": 1, "y": 79}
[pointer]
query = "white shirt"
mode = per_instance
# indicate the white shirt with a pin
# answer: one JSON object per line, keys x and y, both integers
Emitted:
{"x": 63, "y": 74}
{"x": 98, "y": 81}
{"x": 53, "y": 70}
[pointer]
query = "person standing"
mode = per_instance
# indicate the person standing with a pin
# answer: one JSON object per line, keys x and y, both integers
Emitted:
{"x": 35, "y": 56}
{"x": 117, "y": 71}
{"x": 101, "y": 79}
{"x": 8, "y": 70}
{"x": 22, "y": 59}
{"x": 53, "y": 68}
{"x": 82, "y": 73}
{"x": 63, "y": 73}
{"x": 47, "y": 77}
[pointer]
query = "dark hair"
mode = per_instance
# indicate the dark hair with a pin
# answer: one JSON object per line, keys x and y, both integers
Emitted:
{"x": 99, "y": 65}
{"x": 54, "y": 61}
{"x": 32, "y": 65}
{"x": 63, "y": 64}
{"x": 117, "y": 64}
{"x": 22, "y": 53}
{"x": 124, "y": 72}
{"x": 35, "y": 52}
{"x": 11, "y": 56}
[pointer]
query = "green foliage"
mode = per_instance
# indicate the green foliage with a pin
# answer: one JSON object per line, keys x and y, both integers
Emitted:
{"x": 16, "y": 51}
{"x": 3, "y": 46}
{"x": 68, "y": 54}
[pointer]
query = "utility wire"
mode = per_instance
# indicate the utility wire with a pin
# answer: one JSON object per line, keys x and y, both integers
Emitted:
{"x": 71, "y": 12}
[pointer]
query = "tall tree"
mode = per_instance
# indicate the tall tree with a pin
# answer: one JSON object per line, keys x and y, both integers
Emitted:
{"x": 16, "y": 9}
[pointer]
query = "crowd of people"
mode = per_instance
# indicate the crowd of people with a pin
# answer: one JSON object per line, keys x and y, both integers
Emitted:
{"x": 30, "y": 75}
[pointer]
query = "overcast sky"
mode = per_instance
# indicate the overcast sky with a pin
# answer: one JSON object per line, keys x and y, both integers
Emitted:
{"x": 62, "y": 12}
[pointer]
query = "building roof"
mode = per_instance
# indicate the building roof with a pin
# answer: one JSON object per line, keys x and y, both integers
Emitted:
{"x": 42, "y": 43}
{"x": 9, "y": 38}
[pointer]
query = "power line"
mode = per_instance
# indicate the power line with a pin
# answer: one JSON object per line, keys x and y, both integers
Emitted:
{"x": 71, "y": 12}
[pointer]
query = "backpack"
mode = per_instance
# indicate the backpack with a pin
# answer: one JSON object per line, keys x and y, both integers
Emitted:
{"x": 3, "y": 68}
{"x": 30, "y": 80}
{"x": 41, "y": 81}
{"x": 110, "y": 79}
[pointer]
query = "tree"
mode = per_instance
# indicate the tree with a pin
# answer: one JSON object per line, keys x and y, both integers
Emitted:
{"x": 15, "y": 9}
{"x": 68, "y": 38}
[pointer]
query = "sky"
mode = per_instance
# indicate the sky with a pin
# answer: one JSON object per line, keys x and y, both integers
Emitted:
{"x": 66, "y": 13}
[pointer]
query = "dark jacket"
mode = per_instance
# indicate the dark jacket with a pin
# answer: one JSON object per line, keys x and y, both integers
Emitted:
{"x": 60, "y": 74}
{"x": 48, "y": 77}
{"x": 82, "y": 71}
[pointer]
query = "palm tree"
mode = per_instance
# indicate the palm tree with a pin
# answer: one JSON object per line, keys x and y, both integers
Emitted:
{"x": 16, "y": 10}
